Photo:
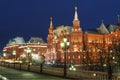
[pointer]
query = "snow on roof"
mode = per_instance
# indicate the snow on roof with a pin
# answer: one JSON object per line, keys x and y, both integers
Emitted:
{"x": 17, "y": 40}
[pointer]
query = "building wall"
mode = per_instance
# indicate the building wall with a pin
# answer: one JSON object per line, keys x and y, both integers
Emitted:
{"x": 84, "y": 47}
{"x": 20, "y": 49}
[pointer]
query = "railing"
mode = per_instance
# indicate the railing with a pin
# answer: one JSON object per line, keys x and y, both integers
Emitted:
{"x": 59, "y": 71}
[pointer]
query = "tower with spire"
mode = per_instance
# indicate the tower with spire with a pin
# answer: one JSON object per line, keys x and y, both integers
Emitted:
{"x": 76, "y": 22}
{"x": 51, "y": 32}
{"x": 76, "y": 33}
{"x": 51, "y": 26}
{"x": 50, "y": 38}
{"x": 118, "y": 23}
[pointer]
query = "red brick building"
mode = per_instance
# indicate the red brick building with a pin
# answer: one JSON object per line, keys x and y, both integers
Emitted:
{"x": 36, "y": 44}
{"x": 85, "y": 47}
{"x": 81, "y": 43}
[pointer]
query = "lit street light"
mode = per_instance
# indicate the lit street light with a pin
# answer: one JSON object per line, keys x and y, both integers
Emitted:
{"x": 4, "y": 55}
{"x": 14, "y": 54}
{"x": 72, "y": 68}
{"x": 65, "y": 45}
{"x": 94, "y": 74}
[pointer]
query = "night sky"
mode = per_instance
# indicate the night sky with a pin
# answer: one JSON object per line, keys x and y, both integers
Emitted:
{"x": 31, "y": 18}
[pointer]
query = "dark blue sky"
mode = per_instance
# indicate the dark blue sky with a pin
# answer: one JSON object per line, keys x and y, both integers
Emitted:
{"x": 26, "y": 18}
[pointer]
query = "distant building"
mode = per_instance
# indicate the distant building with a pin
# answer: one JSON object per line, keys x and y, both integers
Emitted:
{"x": 36, "y": 44}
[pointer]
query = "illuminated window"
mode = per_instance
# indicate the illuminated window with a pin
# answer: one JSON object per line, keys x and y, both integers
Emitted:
{"x": 90, "y": 41}
{"x": 90, "y": 50}
{"x": 75, "y": 29}
{"x": 63, "y": 57}
{"x": 84, "y": 57}
{"x": 68, "y": 57}
{"x": 73, "y": 56}
{"x": 75, "y": 48}
{"x": 80, "y": 50}
{"x": 78, "y": 57}
{"x": 93, "y": 49}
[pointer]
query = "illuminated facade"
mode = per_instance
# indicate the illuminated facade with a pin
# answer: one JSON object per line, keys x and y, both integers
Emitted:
{"x": 85, "y": 47}
{"x": 36, "y": 44}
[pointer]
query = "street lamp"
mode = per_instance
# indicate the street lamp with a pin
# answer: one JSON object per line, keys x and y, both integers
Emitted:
{"x": 14, "y": 54}
{"x": 109, "y": 65}
{"x": 28, "y": 50}
{"x": 72, "y": 67}
{"x": 41, "y": 63}
{"x": 65, "y": 45}
{"x": 94, "y": 74}
{"x": 4, "y": 55}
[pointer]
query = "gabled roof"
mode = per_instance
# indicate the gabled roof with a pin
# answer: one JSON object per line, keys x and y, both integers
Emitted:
{"x": 102, "y": 29}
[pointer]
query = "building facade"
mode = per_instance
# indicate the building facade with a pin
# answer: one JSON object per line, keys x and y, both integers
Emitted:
{"x": 85, "y": 47}
{"x": 36, "y": 45}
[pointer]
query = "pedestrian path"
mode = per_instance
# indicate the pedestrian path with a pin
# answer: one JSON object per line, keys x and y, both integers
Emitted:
{"x": 13, "y": 74}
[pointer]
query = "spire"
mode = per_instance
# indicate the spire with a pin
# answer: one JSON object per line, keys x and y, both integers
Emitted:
{"x": 76, "y": 14}
{"x": 118, "y": 17}
{"x": 76, "y": 22}
{"x": 102, "y": 21}
{"x": 51, "y": 24}
{"x": 118, "y": 23}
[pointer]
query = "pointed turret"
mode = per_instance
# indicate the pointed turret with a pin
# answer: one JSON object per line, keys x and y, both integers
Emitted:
{"x": 102, "y": 24}
{"x": 51, "y": 26}
{"x": 76, "y": 33}
{"x": 76, "y": 14}
{"x": 118, "y": 24}
{"x": 76, "y": 22}
{"x": 102, "y": 21}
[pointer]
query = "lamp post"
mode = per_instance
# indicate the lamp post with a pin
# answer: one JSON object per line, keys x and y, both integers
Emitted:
{"x": 4, "y": 55}
{"x": 28, "y": 50}
{"x": 109, "y": 61}
{"x": 41, "y": 64}
{"x": 65, "y": 45}
{"x": 14, "y": 54}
